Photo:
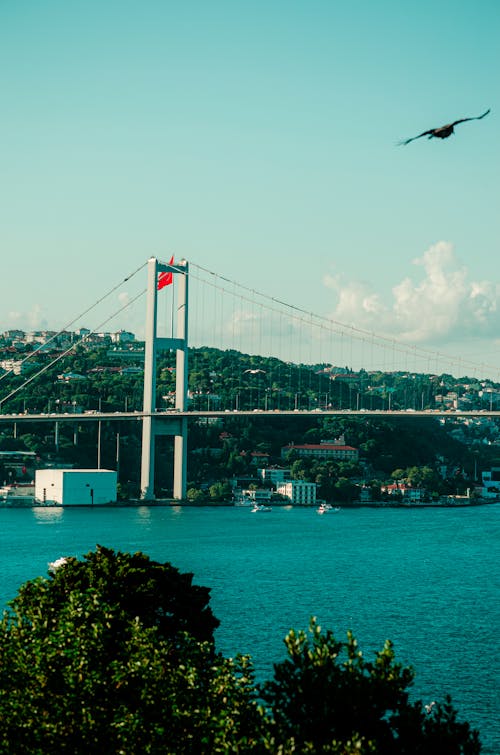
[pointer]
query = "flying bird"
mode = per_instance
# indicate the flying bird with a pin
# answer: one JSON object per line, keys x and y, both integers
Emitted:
{"x": 443, "y": 132}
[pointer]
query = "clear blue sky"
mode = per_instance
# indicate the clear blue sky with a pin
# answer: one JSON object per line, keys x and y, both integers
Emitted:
{"x": 257, "y": 139}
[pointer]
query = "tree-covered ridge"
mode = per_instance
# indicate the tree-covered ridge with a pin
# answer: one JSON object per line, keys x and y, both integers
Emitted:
{"x": 115, "y": 653}
{"x": 228, "y": 380}
{"x": 224, "y": 448}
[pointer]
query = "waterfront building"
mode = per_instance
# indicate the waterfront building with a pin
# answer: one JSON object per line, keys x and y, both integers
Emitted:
{"x": 75, "y": 487}
{"x": 250, "y": 496}
{"x": 298, "y": 492}
{"x": 408, "y": 493}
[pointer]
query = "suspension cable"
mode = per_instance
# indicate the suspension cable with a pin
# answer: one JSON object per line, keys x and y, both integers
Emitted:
{"x": 71, "y": 348}
{"x": 339, "y": 327}
{"x": 78, "y": 317}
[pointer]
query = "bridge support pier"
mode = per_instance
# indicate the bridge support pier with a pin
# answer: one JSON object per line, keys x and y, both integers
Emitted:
{"x": 165, "y": 424}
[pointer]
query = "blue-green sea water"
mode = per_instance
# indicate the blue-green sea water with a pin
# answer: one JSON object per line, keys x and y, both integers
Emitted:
{"x": 427, "y": 579}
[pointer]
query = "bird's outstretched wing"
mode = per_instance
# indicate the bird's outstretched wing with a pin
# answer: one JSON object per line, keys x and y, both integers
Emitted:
{"x": 443, "y": 131}
{"x": 412, "y": 139}
{"x": 474, "y": 118}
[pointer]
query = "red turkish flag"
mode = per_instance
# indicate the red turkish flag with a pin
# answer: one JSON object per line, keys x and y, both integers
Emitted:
{"x": 165, "y": 279}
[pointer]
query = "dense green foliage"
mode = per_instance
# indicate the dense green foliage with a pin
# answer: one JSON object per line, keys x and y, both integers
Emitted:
{"x": 325, "y": 694}
{"x": 223, "y": 448}
{"x": 223, "y": 379}
{"x": 156, "y": 594}
{"x": 115, "y": 654}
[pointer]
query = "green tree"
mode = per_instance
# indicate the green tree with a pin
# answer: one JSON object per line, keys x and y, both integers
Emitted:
{"x": 115, "y": 654}
{"x": 325, "y": 697}
{"x": 398, "y": 474}
{"x": 345, "y": 490}
{"x": 220, "y": 491}
{"x": 32, "y": 442}
{"x": 300, "y": 469}
{"x": 423, "y": 476}
{"x": 195, "y": 495}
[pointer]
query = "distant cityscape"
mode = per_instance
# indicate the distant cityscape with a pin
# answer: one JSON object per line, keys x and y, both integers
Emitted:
{"x": 460, "y": 394}
{"x": 17, "y": 345}
{"x": 259, "y": 463}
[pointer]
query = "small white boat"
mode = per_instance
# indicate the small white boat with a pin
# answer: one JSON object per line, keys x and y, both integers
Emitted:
{"x": 324, "y": 508}
{"x": 260, "y": 507}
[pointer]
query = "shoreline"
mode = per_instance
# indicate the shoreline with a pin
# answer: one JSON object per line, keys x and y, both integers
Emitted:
{"x": 171, "y": 503}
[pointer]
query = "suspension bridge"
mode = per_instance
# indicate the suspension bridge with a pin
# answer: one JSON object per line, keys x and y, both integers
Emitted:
{"x": 184, "y": 299}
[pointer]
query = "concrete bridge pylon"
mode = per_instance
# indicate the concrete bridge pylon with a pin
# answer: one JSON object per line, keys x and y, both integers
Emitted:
{"x": 166, "y": 424}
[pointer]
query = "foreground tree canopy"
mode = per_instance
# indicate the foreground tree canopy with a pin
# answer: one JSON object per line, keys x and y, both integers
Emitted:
{"x": 115, "y": 654}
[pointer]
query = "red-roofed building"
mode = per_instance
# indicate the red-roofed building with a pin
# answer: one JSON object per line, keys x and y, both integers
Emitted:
{"x": 325, "y": 451}
{"x": 259, "y": 458}
{"x": 407, "y": 492}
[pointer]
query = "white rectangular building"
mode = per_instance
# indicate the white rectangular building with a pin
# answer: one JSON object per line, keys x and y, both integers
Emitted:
{"x": 75, "y": 487}
{"x": 299, "y": 493}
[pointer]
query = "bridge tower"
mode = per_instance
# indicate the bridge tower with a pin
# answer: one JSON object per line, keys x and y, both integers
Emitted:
{"x": 154, "y": 424}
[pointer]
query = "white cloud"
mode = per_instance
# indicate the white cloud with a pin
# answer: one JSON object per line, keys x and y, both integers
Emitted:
{"x": 14, "y": 317}
{"x": 124, "y": 298}
{"x": 37, "y": 318}
{"x": 33, "y": 319}
{"x": 242, "y": 323}
{"x": 443, "y": 303}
